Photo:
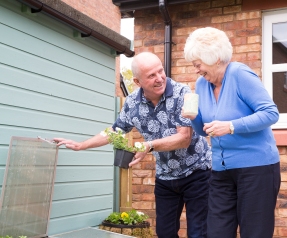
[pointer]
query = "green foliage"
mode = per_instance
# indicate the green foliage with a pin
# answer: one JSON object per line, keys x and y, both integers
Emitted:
{"x": 131, "y": 217}
{"x": 119, "y": 141}
{"x": 128, "y": 79}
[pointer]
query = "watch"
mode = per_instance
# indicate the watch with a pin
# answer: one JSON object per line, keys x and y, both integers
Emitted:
{"x": 231, "y": 128}
{"x": 151, "y": 147}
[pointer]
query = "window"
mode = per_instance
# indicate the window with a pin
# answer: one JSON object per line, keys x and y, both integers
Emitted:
{"x": 275, "y": 61}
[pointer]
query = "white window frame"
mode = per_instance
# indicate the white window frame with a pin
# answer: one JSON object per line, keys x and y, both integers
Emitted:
{"x": 270, "y": 18}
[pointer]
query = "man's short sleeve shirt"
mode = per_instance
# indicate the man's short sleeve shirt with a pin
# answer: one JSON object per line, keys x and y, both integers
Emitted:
{"x": 156, "y": 122}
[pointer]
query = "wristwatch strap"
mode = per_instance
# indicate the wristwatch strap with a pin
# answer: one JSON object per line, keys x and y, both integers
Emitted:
{"x": 151, "y": 147}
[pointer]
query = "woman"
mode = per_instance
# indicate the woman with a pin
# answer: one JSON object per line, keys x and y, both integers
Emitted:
{"x": 236, "y": 111}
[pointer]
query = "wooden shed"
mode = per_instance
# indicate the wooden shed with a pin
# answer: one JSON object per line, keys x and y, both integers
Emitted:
{"x": 57, "y": 70}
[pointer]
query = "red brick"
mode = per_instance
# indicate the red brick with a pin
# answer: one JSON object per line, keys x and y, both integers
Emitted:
{"x": 234, "y": 25}
{"x": 182, "y": 233}
{"x": 137, "y": 197}
{"x": 238, "y": 41}
{"x": 180, "y": 47}
{"x": 142, "y": 173}
{"x": 142, "y": 205}
{"x": 221, "y": 19}
{"x": 149, "y": 181}
{"x": 247, "y": 48}
{"x": 254, "y": 23}
{"x": 178, "y": 70}
{"x": 183, "y": 62}
{"x": 249, "y": 31}
{"x": 282, "y": 150}
{"x": 222, "y": 3}
{"x": 254, "y": 56}
{"x": 159, "y": 49}
{"x": 97, "y": 10}
{"x": 254, "y": 64}
{"x": 211, "y": 12}
{"x": 199, "y": 21}
{"x": 282, "y": 213}
{"x": 283, "y": 185}
{"x": 148, "y": 165}
{"x": 137, "y": 180}
{"x": 186, "y": 78}
{"x": 148, "y": 197}
{"x": 282, "y": 231}
{"x": 185, "y": 31}
{"x": 143, "y": 189}
{"x": 232, "y": 9}
{"x": 137, "y": 29}
{"x": 248, "y": 15}
{"x": 199, "y": 6}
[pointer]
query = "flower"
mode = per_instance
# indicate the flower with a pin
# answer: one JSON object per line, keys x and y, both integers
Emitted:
{"x": 124, "y": 215}
{"x": 128, "y": 79}
{"x": 119, "y": 141}
{"x": 131, "y": 217}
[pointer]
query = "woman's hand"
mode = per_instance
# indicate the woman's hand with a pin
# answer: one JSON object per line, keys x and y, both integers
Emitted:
{"x": 217, "y": 128}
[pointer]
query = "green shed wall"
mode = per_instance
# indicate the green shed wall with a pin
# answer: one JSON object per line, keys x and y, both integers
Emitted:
{"x": 55, "y": 84}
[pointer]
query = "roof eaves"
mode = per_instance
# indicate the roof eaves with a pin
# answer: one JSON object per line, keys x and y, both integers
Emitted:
{"x": 84, "y": 24}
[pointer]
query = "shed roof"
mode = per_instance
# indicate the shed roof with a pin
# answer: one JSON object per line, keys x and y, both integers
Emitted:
{"x": 83, "y": 23}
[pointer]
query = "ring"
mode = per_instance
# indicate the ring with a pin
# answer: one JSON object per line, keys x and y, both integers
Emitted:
{"x": 211, "y": 134}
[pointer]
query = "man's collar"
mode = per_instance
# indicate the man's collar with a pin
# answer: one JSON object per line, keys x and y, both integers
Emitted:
{"x": 167, "y": 92}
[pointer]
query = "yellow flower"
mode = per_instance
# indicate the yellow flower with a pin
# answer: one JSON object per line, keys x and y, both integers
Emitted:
{"x": 124, "y": 214}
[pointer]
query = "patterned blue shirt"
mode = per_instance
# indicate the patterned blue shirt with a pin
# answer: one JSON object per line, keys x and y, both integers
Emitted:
{"x": 161, "y": 121}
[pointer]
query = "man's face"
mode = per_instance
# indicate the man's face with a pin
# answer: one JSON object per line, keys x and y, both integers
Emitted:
{"x": 152, "y": 78}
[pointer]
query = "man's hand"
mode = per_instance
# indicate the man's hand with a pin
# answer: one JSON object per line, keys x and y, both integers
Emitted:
{"x": 70, "y": 144}
{"x": 140, "y": 155}
{"x": 137, "y": 158}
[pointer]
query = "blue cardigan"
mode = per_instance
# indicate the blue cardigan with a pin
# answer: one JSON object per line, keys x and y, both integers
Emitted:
{"x": 244, "y": 101}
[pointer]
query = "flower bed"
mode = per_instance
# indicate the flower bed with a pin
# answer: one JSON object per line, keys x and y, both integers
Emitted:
{"x": 132, "y": 223}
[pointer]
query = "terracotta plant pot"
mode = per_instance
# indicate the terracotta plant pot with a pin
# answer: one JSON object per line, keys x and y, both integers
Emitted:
{"x": 123, "y": 158}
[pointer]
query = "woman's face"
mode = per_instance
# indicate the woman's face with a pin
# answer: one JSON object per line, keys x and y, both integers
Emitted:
{"x": 210, "y": 72}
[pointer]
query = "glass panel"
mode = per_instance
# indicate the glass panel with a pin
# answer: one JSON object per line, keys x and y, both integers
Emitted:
{"x": 280, "y": 91}
{"x": 27, "y": 187}
{"x": 279, "y": 43}
{"x": 91, "y": 233}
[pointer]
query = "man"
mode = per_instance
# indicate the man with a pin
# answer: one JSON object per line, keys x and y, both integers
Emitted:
{"x": 183, "y": 158}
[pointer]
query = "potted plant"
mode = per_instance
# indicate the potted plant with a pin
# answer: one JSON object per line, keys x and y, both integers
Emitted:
{"x": 124, "y": 152}
{"x": 131, "y": 223}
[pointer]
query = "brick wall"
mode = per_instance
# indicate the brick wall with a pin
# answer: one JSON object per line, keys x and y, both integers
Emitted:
{"x": 245, "y": 33}
{"x": 281, "y": 207}
{"x": 103, "y": 11}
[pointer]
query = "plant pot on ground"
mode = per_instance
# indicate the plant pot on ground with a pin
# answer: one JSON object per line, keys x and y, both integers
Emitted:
{"x": 131, "y": 223}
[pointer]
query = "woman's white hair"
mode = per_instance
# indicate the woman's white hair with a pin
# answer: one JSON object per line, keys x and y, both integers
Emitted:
{"x": 208, "y": 45}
